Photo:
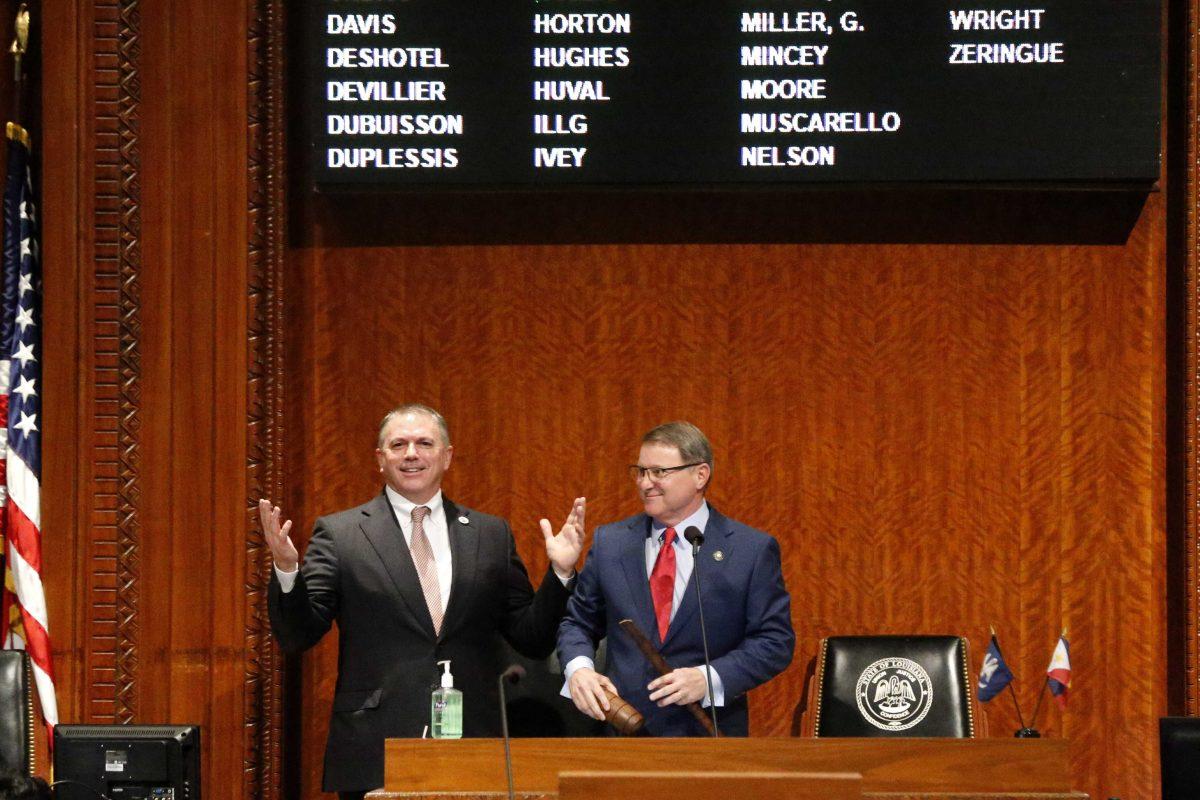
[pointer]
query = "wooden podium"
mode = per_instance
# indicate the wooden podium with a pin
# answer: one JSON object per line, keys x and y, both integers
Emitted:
{"x": 710, "y": 785}
{"x": 895, "y": 769}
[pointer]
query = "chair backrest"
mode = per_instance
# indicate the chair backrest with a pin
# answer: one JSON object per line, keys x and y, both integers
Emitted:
{"x": 16, "y": 712}
{"x": 1179, "y": 747}
{"x": 888, "y": 686}
{"x": 535, "y": 707}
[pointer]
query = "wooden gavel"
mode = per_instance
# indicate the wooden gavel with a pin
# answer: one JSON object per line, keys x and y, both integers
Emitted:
{"x": 622, "y": 715}
{"x": 659, "y": 663}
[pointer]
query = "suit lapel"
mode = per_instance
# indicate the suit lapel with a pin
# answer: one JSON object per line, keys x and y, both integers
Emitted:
{"x": 716, "y": 537}
{"x": 385, "y": 536}
{"x": 464, "y": 555}
{"x": 633, "y": 563}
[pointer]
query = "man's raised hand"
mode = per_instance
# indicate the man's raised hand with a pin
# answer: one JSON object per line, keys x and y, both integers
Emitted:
{"x": 564, "y": 548}
{"x": 282, "y": 550}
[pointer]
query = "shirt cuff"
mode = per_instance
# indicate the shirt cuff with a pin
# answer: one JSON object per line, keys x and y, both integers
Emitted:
{"x": 564, "y": 581}
{"x": 574, "y": 664}
{"x": 718, "y": 688}
{"x": 287, "y": 580}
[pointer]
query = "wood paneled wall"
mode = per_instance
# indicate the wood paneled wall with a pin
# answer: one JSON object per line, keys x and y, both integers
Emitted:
{"x": 941, "y": 436}
{"x": 948, "y": 406}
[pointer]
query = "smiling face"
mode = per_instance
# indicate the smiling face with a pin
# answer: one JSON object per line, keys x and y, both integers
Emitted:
{"x": 413, "y": 457}
{"x": 674, "y": 498}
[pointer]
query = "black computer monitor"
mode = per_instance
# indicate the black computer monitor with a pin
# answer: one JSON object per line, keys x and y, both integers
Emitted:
{"x": 127, "y": 762}
{"x": 1179, "y": 741}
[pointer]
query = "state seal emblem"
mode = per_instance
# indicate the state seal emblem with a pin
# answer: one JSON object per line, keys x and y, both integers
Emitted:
{"x": 894, "y": 694}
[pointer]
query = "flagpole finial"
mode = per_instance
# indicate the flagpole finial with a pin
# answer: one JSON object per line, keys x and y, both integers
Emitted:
{"x": 21, "y": 27}
{"x": 20, "y": 41}
{"x": 992, "y": 628}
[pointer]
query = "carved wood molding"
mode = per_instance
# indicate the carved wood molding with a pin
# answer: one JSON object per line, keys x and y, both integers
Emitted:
{"x": 112, "y": 690}
{"x": 128, "y": 528}
{"x": 1192, "y": 541}
{"x": 1191, "y": 666}
{"x": 265, "y": 184}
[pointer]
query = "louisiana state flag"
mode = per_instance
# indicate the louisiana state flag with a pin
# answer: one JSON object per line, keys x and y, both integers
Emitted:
{"x": 1058, "y": 674}
{"x": 994, "y": 675}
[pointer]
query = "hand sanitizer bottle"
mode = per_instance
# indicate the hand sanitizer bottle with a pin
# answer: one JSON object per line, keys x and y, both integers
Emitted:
{"x": 446, "y": 710}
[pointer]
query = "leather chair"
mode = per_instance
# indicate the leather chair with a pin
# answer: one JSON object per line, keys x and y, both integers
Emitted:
{"x": 16, "y": 712}
{"x": 1179, "y": 746}
{"x": 535, "y": 707}
{"x": 893, "y": 686}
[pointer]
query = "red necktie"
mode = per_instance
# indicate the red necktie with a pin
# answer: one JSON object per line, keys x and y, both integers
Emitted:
{"x": 662, "y": 583}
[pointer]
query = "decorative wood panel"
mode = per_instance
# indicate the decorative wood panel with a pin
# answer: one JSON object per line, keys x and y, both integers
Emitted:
{"x": 170, "y": 596}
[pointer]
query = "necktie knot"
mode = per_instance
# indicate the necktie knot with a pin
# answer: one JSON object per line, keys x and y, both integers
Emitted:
{"x": 668, "y": 537}
{"x": 418, "y": 514}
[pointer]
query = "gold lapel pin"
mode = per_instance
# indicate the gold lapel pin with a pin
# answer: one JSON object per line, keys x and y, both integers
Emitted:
{"x": 464, "y": 520}
{"x": 718, "y": 556}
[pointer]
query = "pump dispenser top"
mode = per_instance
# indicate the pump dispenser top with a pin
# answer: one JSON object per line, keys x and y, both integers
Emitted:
{"x": 446, "y": 707}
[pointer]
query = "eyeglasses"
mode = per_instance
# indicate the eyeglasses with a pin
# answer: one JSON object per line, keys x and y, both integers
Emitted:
{"x": 657, "y": 473}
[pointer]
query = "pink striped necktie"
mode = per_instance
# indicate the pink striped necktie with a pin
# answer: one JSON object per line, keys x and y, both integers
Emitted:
{"x": 422, "y": 556}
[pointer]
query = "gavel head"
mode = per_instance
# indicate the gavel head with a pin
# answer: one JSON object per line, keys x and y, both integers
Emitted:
{"x": 626, "y": 719}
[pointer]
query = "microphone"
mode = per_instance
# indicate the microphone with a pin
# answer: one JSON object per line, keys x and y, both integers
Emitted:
{"x": 696, "y": 538}
{"x": 512, "y": 675}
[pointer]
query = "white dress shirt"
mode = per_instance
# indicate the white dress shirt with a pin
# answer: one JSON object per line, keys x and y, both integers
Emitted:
{"x": 436, "y": 530}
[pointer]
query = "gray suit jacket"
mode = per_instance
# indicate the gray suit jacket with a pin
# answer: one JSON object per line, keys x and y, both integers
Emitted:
{"x": 359, "y": 573}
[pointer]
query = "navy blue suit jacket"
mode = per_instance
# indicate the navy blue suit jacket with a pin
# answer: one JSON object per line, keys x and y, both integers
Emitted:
{"x": 746, "y": 609}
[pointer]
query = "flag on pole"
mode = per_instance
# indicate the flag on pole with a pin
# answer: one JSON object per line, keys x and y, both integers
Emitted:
{"x": 23, "y": 618}
{"x": 994, "y": 675}
{"x": 1058, "y": 674}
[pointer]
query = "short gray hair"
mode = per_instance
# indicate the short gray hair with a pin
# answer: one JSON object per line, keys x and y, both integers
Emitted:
{"x": 685, "y": 437}
{"x": 414, "y": 408}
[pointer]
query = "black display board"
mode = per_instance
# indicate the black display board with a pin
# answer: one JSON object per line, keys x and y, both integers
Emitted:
{"x": 541, "y": 93}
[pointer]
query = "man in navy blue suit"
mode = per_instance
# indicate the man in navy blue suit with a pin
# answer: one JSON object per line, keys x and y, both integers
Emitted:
{"x": 642, "y": 569}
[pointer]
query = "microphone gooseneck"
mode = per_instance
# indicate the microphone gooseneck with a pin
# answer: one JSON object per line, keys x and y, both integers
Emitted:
{"x": 696, "y": 538}
{"x": 511, "y": 675}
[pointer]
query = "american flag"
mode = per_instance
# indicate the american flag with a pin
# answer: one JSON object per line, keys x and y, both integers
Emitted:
{"x": 23, "y": 622}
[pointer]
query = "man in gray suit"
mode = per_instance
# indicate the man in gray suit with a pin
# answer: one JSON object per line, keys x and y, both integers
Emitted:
{"x": 411, "y": 579}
